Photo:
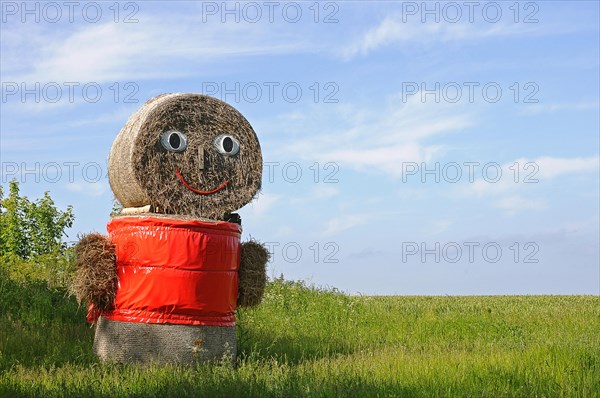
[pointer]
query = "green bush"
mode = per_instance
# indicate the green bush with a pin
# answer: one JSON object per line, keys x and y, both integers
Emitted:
{"x": 29, "y": 229}
{"x": 31, "y": 246}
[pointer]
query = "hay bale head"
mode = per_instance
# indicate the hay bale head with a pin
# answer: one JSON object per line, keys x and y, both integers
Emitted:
{"x": 186, "y": 154}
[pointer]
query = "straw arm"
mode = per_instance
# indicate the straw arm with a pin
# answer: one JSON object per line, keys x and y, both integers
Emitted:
{"x": 95, "y": 279}
{"x": 252, "y": 275}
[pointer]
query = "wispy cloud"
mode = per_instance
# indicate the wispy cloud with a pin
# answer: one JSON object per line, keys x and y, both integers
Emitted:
{"x": 523, "y": 172}
{"x": 73, "y": 128}
{"x": 513, "y": 191}
{"x": 535, "y": 109}
{"x": 109, "y": 52}
{"x": 392, "y": 30}
{"x": 516, "y": 203}
{"x": 552, "y": 167}
{"x": 382, "y": 140}
{"x": 263, "y": 203}
{"x": 439, "y": 226}
{"x": 345, "y": 222}
{"x": 321, "y": 191}
{"x": 89, "y": 189}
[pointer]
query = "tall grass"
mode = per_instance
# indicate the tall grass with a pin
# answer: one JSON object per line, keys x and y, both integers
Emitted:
{"x": 305, "y": 341}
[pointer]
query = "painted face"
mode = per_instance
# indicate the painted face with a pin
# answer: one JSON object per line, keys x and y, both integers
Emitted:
{"x": 186, "y": 154}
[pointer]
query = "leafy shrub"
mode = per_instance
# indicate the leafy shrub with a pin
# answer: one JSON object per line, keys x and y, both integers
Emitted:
{"x": 31, "y": 246}
{"x": 29, "y": 228}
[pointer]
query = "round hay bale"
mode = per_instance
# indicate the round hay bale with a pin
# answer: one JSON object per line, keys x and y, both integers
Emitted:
{"x": 126, "y": 342}
{"x": 186, "y": 154}
{"x": 95, "y": 279}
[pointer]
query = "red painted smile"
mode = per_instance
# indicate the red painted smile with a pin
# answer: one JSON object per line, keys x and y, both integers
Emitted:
{"x": 188, "y": 186}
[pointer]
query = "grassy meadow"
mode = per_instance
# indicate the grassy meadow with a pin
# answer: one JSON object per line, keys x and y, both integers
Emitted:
{"x": 304, "y": 341}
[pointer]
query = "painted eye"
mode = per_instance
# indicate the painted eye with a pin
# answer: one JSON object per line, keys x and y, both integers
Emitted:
{"x": 227, "y": 145}
{"x": 174, "y": 141}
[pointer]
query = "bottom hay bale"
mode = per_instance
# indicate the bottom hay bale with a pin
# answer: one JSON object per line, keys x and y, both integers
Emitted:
{"x": 126, "y": 342}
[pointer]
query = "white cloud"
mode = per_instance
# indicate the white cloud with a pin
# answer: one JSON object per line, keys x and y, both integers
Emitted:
{"x": 408, "y": 193}
{"x": 107, "y": 52}
{"x": 62, "y": 63}
{"x": 523, "y": 172}
{"x": 284, "y": 231}
{"x": 439, "y": 226}
{"x": 263, "y": 203}
{"x": 551, "y": 167}
{"x": 534, "y": 109}
{"x": 88, "y": 188}
{"x": 345, "y": 222}
{"x": 57, "y": 134}
{"x": 393, "y": 30}
{"x": 325, "y": 191}
{"x": 321, "y": 191}
{"x": 508, "y": 192}
{"x": 383, "y": 140}
{"x": 515, "y": 203}
{"x": 387, "y": 158}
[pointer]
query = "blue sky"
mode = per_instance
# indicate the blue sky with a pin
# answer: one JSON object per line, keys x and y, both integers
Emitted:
{"x": 369, "y": 101}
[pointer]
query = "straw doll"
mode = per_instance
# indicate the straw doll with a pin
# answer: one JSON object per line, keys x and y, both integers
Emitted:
{"x": 164, "y": 284}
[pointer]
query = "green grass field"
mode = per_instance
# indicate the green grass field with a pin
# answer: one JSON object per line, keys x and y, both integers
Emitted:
{"x": 310, "y": 342}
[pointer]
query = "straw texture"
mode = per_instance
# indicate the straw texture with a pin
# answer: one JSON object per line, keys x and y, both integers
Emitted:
{"x": 252, "y": 275}
{"x": 127, "y": 342}
{"x": 95, "y": 279}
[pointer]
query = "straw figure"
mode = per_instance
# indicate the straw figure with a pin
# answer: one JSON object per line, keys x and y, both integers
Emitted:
{"x": 164, "y": 284}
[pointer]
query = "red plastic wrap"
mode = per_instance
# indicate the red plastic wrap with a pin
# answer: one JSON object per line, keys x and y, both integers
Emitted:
{"x": 175, "y": 271}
